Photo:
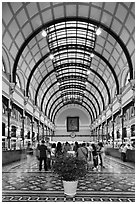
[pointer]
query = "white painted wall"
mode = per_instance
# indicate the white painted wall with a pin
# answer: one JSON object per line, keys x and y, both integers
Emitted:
{"x": 61, "y": 124}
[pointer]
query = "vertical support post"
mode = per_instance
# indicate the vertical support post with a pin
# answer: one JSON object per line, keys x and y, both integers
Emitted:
{"x": 38, "y": 132}
{"x": 9, "y": 137}
{"x": 113, "y": 130}
{"x": 23, "y": 120}
{"x": 43, "y": 130}
{"x": 102, "y": 132}
{"x": 11, "y": 91}
{"x": 32, "y": 123}
{"x": 122, "y": 124}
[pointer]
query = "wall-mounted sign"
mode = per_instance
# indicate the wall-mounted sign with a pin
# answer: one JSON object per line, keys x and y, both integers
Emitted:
{"x": 72, "y": 124}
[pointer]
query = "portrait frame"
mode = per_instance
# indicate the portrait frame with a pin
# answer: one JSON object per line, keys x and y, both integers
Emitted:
{"x": 72, "y": 124}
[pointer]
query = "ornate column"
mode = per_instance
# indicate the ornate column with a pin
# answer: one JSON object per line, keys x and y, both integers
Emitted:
{"x": 43, "y": 130}
{"x": 112, "y": 122}
{"x": 38, "y": 137}
{"x": 46, "y": 131}
{"x": 23, "y": 119}
{"x": 22, "y": 129}
{"x": 11, "y": 91}
{"x": 119, "y": 99}
{"x": 103, "y": 113}
{"x": 132, "y": 85}
{"x": 32, "y": 124}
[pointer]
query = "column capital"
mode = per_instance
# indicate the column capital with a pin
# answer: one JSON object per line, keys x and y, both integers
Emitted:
{"x": 34, "y": 108}
{"x": 133, "y": 97}
{"x": 119, "y": 98}
{"x": 132, "y": 84}
{"x": 26, "y": 100}
{"x": 104, "y": 113}
{"x": 110, "y": 106}
{"x": 40, "y": 113}
{"x": 12, "y": 87}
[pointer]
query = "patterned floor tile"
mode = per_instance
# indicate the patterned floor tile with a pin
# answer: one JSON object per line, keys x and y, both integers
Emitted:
{"x": 25, "y": 177}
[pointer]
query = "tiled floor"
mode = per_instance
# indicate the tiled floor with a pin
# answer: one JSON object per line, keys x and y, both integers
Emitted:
{"x": 22, "y": 182}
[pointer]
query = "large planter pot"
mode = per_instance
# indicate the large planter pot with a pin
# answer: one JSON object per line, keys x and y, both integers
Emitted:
{"x": 70, "y": 188}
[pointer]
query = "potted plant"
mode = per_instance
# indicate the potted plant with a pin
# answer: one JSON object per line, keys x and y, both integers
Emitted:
{"x": 69, "y": 168}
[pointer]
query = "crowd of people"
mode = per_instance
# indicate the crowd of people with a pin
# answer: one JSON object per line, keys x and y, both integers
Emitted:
{"x": 92, "y": 153}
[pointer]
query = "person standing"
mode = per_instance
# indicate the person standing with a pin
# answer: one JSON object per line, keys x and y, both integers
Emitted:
{"x": 58, "y": 151}
{"x": 43, "y": 156}
{"x": 53, "y": 152}
{"x": 66, "y": 148}
{"x": 95, "y": 157}
{"x": 124, "y": 151}
{"x": 101, "y": 154}
{"x": 82, "y": 152}
{"x": 75, "y": 148}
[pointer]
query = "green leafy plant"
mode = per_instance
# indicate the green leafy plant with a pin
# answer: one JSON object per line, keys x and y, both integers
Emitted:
{"x": 69, "y": 168}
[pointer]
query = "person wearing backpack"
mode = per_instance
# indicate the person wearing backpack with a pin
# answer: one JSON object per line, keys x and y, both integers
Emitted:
{"x": 82, "y": 152}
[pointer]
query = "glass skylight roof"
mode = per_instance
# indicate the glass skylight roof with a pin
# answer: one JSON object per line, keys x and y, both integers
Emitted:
{"x": 71, "y": 43}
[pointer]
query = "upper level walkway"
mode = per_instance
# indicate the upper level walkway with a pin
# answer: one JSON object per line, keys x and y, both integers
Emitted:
{"x": 23, "y": 182}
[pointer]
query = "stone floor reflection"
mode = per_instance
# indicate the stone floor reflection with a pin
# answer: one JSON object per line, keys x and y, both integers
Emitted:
{"x": 22, "y": 181}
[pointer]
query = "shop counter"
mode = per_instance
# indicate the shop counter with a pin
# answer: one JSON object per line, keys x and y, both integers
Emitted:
{"x": 130, "y": 154}
{"x": 10, "y": 156}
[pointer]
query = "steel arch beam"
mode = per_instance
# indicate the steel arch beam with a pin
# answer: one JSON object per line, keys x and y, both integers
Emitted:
{"x": 94, "y": 22}
{"x": 33, "y": 70}
{"x": 85, "y": 90}
{"x": 85, "y": 97}
{"x": 60, "y": 97}
{"x": 108, "y": 64}
{"x": 65, "y": 105}
{"x": 94, "y": 87}
{"x": 59, "y": 90}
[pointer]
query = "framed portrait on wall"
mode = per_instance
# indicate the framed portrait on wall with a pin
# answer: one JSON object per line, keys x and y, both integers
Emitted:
{"x": 72, "y": 124}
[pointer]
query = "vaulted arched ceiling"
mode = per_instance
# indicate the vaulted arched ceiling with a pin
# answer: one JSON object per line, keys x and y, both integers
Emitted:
{"x": 73, "y": 75}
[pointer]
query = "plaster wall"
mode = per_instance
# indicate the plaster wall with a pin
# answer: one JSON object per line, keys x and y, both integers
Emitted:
{"x": 61, "y": 125}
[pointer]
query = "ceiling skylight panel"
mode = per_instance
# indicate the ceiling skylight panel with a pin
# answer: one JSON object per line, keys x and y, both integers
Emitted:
{"x": 63, "y": 56}
{"x": 61, "y": 42}
{"x": 80, "y": 41}
{"x": 70, "y": 54}
{"x": 60, "y": 25}
{"x": 51, "y": 28}
{"x": 54, "y": 44}
{"x": 71, "y": 40}
{"x": 58, "y": 63}
{"x": 70, "y": 31}
{"x": 91, "y": 38}
{"x": 71, "y": 24}
{"x": 81, "y": 31}
{"x": 60, "y": 34}
{"x": 82, "y": 24}
{"x": 52, "y": 35}
{"x": 79, "y": 55}
{"x": 81, "y": 35}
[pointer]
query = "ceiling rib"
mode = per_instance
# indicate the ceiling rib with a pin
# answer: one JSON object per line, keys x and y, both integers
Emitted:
{"x": 53, "y": 117}
{"x": 69, "y": 102}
